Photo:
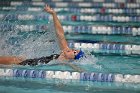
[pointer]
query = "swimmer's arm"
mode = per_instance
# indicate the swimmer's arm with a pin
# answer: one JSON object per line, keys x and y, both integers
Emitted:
{"x": 60, "y": 32}
{"x": 58, "y": 27}
{"x": 8, "y": 60}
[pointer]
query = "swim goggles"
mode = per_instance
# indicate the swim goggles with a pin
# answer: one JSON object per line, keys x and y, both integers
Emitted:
{"x": 79, "y": 55}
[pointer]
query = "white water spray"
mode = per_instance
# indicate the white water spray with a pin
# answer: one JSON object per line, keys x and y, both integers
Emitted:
{"x": 36, "y": 44}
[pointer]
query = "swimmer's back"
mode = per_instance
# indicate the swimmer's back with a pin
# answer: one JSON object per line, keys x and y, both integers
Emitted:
{"x": 41, "y": 60}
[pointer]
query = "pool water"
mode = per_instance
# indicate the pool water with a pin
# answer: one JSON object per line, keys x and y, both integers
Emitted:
{"x": 110, "y": 40}
{"x": 15, "y": 85}
{"x": 105, "y": 64}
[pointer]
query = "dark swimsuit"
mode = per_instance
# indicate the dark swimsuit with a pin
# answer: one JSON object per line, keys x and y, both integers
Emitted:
{"x": 42, "y": 60}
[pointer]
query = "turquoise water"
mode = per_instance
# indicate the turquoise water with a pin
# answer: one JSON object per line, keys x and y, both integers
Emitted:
{"x": 41, "y": 42}
{"x": 99, "y": 63}
{"x": 14, "y": 85}
{"x": 105, "y": 64}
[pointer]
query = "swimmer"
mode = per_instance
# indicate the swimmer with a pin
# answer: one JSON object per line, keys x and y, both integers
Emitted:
{"x": 66, "y": 54}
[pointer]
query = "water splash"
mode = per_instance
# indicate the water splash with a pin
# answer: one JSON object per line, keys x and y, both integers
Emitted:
{"x": 88, "y": 60}
{"x": 36, "y": 44}
{"x": 29, "y": 44}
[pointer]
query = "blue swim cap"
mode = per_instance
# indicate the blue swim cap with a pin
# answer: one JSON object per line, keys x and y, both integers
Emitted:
{"x": 79, "y": 55}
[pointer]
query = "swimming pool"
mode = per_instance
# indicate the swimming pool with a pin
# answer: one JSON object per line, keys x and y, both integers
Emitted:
{"x": 107, "y": 32}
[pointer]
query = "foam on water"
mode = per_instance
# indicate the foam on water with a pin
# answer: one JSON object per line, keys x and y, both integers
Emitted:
{"x": 88, "y": 59}
{"x": 27, "y": 44}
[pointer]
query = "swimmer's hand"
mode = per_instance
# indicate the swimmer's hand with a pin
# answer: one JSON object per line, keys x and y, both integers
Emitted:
{"x": 49, "y": 10}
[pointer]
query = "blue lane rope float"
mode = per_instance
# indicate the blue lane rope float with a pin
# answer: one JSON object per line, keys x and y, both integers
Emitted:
{"x": 116, "y": 48}
{"x": 76, "y": 29}
{"x": 84, "y": 76}
{"x": 88, "y": 18}
{"x": 78, "y": 4}
{"x": 135, "y": 11}
{"x": 94, "y": 1}
{"x": 117, "y": 4}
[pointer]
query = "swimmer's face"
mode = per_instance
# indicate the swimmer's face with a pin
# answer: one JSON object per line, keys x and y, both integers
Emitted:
{"x": 70, "y": 53}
